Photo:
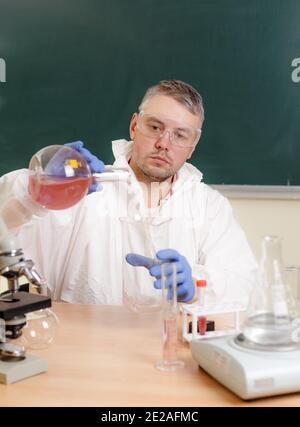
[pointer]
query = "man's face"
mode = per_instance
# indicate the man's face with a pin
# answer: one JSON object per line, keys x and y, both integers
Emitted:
{"x": 157, "y": 157}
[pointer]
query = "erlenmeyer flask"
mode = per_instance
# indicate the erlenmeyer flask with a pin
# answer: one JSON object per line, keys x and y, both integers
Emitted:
{"x": 272, "y": 311}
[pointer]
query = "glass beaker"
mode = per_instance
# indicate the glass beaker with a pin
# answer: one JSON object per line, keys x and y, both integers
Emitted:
{"x": 143, "y": 236}
{"x": 272, "y": 308}
{"x": 59, "y": 177}
{"x": 169, "y": 361}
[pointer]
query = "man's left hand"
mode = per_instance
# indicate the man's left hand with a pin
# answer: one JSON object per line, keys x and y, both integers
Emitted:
{"x": 184, "y": 280}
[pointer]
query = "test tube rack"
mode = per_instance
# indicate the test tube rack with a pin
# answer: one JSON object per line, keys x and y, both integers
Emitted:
{"x": 195, "y": 310}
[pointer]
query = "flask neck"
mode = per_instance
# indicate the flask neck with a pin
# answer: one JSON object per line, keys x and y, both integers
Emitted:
{"x": 271, "y": 261}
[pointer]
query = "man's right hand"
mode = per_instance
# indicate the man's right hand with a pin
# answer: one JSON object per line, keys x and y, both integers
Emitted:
{"x": 96, "y": 165}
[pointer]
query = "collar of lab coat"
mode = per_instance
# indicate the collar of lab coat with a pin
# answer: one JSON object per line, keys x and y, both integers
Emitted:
{"x": 122, "y": 150}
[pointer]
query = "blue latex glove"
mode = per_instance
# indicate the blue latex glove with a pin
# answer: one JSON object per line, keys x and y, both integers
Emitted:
{"x": 185, "y": 283}
{"x": 94, "y": 163}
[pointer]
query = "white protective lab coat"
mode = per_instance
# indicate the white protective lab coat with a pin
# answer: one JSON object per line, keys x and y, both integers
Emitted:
{"x": 79, "y": 250}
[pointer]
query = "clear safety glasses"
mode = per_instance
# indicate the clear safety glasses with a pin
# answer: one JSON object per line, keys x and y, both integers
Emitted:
{"x": 156, "y": 127}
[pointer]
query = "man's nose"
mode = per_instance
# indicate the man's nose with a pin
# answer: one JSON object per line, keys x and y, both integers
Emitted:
{"x": 164, "y": 141}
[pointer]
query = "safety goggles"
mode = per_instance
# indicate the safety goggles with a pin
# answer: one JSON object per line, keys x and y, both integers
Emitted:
{"x": 156, "y": 127}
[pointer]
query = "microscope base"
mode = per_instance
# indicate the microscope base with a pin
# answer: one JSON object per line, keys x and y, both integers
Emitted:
{"x": 12, "y": 371}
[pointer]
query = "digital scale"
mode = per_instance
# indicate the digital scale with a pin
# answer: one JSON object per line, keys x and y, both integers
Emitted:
{"x": 249, "y": 373}
{"x": 263, "y": 360}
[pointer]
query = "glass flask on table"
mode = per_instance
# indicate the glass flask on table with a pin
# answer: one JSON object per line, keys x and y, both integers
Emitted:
{"x": 40, "y": 331}
{"x": 42, "y": 326}
{"x": 272, "y": 315}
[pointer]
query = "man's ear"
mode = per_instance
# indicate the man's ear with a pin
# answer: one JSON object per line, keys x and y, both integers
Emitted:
{"x": 193, "y": 149}
{"x": 191, "y": 152}
{"x": 132, "y": 125}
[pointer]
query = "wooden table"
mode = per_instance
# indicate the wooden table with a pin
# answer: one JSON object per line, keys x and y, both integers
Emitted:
{"x": 104, "y": 356}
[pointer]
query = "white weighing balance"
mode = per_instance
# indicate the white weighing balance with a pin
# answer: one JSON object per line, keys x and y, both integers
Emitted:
{"x": 263, "y": 360}
{"x": 249, "y": 373}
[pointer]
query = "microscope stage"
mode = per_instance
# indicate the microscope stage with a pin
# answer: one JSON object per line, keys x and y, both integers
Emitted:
{"x": 24, "y": 302}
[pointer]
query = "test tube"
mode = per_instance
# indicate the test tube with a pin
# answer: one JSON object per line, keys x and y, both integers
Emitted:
{"x": 201, "y": 285}
{"x": 170, "y": 361}
{"x": 201, "y": 320}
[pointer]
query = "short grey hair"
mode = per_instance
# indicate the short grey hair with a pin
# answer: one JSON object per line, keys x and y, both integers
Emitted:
{"x": 182, "y": 92}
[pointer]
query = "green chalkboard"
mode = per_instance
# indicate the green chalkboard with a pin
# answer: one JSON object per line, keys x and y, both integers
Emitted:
{"x": 77, "y": 69}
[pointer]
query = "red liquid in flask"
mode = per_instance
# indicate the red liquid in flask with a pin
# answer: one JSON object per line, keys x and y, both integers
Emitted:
{"x": 57, "y": 192}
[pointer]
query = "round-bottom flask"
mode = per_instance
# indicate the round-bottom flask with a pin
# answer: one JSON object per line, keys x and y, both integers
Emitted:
{"x": 59, "y": 177}
{"x": 40, "y": 330}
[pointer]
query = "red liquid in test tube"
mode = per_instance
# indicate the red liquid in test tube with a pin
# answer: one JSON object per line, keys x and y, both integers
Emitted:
{"x": 201, "y": 285}
{"x": 202, "y": 325}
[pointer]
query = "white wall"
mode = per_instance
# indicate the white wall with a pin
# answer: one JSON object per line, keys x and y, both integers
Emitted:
{"x": 271, "y": 217}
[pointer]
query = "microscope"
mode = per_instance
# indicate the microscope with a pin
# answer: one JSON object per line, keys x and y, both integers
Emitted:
{"x": 15, "y": 303}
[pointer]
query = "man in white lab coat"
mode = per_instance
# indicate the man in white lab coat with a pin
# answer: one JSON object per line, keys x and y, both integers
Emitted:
{"x": 81, "y": 250}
